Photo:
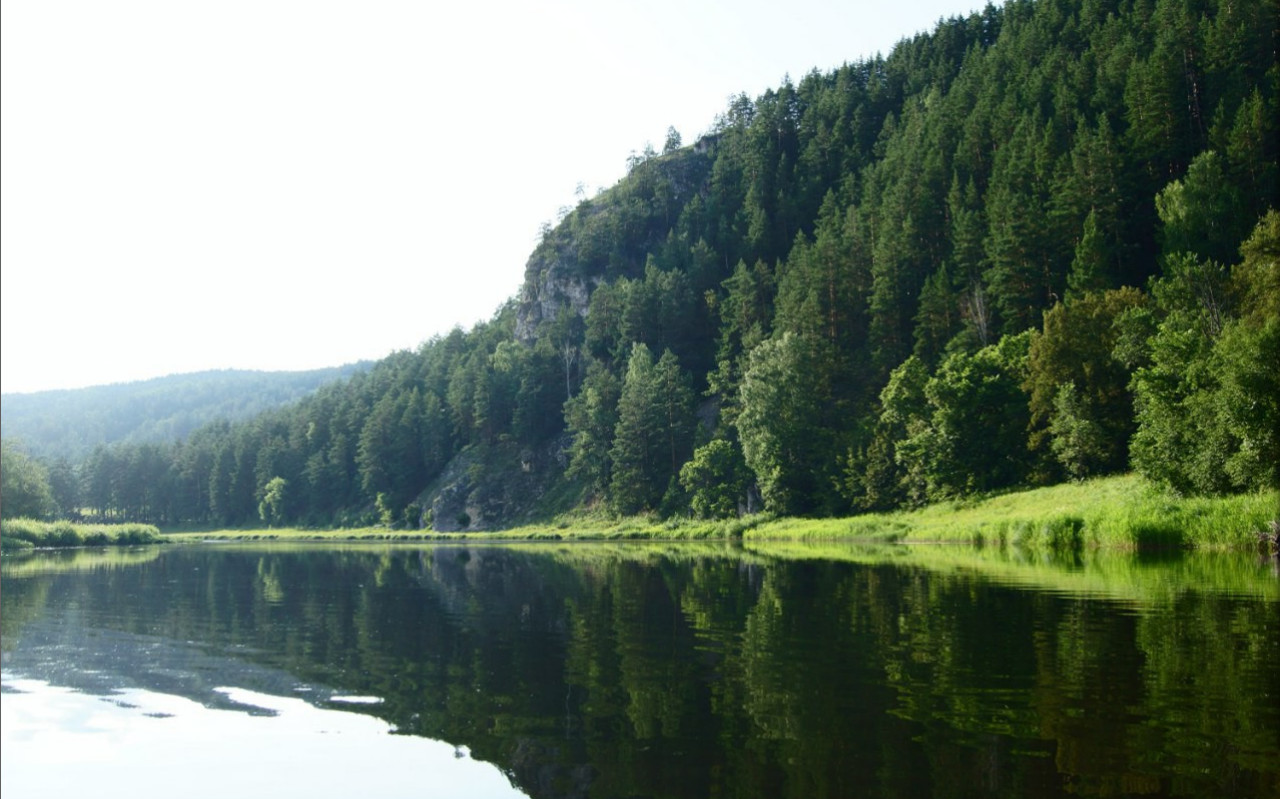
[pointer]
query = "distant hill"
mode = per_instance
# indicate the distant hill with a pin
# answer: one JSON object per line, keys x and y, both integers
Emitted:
{"x": 70, "y": 423}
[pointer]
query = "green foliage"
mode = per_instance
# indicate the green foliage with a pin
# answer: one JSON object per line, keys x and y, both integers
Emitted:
{"x": 591, "y": 418}
{"x": 1075, "y": 346}
{"x": 975, "y": 437}
{"x": 1026, "y": 263}
{"x": 1175, "y": 442}
{"x": 938, "y": 321}
{"x": 1207, "y": 402}
{"x": 1256, "y": 279}
{"x": 62, "y": 534}
{"x": 1089, "y": 266}
{"x": 1247, "y": 404}
{"x": 716, "y": 479}
{"x": 1078, "y": 441}
{"x": 1202, "y": 213}
{"x": 782, "y": 440}
{"x": 1087, "y": 197}
{"x": 882, "y": 479}
{"x": 746, "y": 312}
{"x": 15, "y": 545}
{"x": 24, "y": 485}
{"x": 64, "y": 484}
{"x": 654, "y": 433}
{"x": 272, "y": 505}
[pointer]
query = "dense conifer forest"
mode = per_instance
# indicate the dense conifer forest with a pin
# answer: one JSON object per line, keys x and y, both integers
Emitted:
{"x": 1038, "y": 243}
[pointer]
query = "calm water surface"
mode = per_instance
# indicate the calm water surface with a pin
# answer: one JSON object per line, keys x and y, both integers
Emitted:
{"x": 612, "y": 671}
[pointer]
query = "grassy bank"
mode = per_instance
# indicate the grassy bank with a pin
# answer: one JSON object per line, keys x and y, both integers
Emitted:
{"x": 20, "y": 534}
{"x": 302, "y": 534}
{"x": 585, "y": 527}
{"x": 1123, "y": 512}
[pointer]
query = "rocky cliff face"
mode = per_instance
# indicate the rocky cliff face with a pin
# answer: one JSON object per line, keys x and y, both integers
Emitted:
{"x": 551, "y": 283}
{"x": 494, "y": 487}
{"x": 609, "y": 236}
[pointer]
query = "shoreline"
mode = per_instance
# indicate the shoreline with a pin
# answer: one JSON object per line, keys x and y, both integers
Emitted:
{"x": 1123, "y": 512}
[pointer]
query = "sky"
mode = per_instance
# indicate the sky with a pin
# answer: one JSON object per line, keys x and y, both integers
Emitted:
{"x": 296, "y": 184}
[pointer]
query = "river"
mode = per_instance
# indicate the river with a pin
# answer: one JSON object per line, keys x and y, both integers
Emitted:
{"x": 596, "y": 670}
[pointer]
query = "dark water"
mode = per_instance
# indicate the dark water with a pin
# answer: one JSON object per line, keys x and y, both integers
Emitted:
{"x": 599, "y": 671}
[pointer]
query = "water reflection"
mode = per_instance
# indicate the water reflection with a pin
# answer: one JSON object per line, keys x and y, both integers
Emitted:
{"x": 696, "y": 671}
{"x": 140, "y": 743}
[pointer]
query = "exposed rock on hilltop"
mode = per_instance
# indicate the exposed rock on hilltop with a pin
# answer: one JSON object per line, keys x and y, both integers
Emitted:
{"x": 609, "y": 236}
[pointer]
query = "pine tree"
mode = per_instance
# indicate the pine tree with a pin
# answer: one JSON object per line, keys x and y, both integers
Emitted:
{"x": 654, "y": 431}
{"x": 780, "y": 426}
{"x": 591, "y": 417}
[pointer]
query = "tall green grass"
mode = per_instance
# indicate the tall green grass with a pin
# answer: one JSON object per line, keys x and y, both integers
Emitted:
{"x": 19, "y": 534}
{"x": 1123, "y": 512}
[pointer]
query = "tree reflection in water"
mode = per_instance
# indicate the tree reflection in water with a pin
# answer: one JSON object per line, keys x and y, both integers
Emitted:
{"x": 594, "y": 670}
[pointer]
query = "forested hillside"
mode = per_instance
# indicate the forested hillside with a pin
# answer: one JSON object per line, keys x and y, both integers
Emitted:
{"x": 1038, "y": 243}
{"x": 69, "y": 424}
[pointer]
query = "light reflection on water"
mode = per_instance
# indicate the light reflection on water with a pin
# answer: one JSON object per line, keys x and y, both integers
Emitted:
{"x": 59, "y": 742}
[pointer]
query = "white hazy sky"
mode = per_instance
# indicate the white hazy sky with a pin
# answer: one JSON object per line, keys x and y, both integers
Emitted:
{"x": 278, "y": 184}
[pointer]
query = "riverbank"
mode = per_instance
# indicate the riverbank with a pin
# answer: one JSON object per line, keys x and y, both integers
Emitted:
{"x": 17, "y": 535}
{"x": 1123, "y": 512}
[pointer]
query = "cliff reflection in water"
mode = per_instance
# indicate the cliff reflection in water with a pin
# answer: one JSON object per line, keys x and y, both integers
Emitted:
{"x": 605, "y": 671}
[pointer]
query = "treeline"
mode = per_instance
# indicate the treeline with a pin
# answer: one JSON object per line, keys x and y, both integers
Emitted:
{"x": 1038, "y": 243}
